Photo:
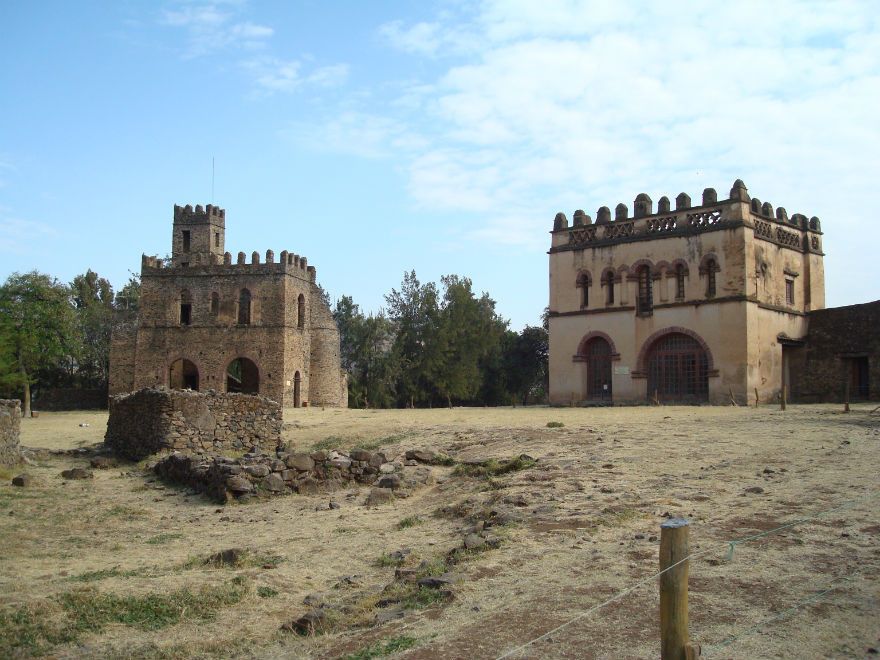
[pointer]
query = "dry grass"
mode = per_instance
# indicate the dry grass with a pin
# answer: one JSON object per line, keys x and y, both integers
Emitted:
{"x": 115, "y": 566}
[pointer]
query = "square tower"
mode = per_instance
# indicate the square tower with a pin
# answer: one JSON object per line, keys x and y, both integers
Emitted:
{"x": 199, "y": 236}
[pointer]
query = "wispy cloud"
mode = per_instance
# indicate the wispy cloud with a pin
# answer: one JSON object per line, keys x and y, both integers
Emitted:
{"x": 274, "y": 75}
{"x": 215, "y": 25}
{"x": 16, "y": 234}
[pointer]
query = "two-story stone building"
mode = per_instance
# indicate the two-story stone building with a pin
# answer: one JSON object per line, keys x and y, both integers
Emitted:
{"x": 689, "y": 304}
{"x": 208, "y": 323}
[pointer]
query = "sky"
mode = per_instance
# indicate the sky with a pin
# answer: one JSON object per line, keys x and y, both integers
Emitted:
{"x": 379, "y": 137}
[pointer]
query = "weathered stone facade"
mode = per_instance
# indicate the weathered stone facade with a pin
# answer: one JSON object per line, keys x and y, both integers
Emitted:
{"x": 206, "y": 322}
{"x": 692, "y": 304}
{"x": 841, "y": 354}
{"x": 10, "y": 428}
{"x": 156, "y": 419}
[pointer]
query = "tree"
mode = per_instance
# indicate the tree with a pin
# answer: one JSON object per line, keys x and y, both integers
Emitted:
{"x": 128, "y": 297}
{"x": 468, "y": 331}
{"x": 415, "y": 317}
{"x": 37, "y": 325}
{"x": 526, "y": 363}
{"x": 93, "y": 301}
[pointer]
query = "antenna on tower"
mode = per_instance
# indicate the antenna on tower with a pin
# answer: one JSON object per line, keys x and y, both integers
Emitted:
{"x": 212, "y": 179}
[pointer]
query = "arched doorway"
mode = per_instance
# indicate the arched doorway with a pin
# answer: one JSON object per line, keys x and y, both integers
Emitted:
{"x": 183, "y": 375}
{"x": 297, "y": 397}
{"x": 678, "y": 369}
{"x": 242, "y": 376}
{"x": 597, "y": 354}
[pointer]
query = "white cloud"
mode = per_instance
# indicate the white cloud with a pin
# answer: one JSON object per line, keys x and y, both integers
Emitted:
{"x": 211, "y": 26}
{"x": 17, "y": 234}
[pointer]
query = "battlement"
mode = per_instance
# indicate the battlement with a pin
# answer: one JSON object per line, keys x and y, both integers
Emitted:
{"x": 290, "y": 263}
{"x": 647, "y": 224}
{"x": 186, "y": 214}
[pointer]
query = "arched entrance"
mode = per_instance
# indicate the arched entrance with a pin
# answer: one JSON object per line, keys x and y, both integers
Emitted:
{"x": 297, "y": 397}
{"x": 678, "y": 369}
{"x": 183, "y": 375}
{"x": 242, "y": 376}
{"x": 597, "y": 354}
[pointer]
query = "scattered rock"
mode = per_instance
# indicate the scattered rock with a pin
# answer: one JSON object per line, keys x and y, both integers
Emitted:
{"x": 421, "y": 455}
{"x": 258, "y": 470}
{"x": 360, "y": 455}
{"x": 229, "y": 557}
{"x": 103, "y": 462}
{"x": 516, "y": 500}
{"x": 239, "y": 484}
{"x": 23, "y": 480}
{"x": 307, "y": 486}
{"x": 754, "y": 489}
{"x": 387, "y": 468}
{"x": 315, "y": 600}
{"x": 379, "y": 496}
{"x": 308, "y": 624}
{"x": 390, "y": 481}
{"x": 472, "y": 541}
{"x": 439, "y": 581}
{"x": 77, "y": 473}
{"x": 333, "y": 505}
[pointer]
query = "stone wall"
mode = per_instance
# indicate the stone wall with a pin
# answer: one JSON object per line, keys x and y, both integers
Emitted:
{"x": 156, "y": 419}
{"x": 839, "y": 341}
{"x": 10, "y": 426}
{"x": 392, "y": 474}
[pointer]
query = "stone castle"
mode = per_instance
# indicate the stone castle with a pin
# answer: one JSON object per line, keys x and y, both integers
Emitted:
{"x": 206, "y": 323}
{"x": 697, "y": 303}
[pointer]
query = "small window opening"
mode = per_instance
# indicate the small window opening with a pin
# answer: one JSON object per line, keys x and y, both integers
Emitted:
{"x": 185, "y": 308}
{"x": 215, "y": 303}
{"x": 301, "y": 311}
{"x": 679, "y": 282}
{"x": 645, "y": 301}
{"x": 186, "y": 244}
{"x": 789, "y": 292}
{"x": 583, "y": 282}
{"x": 609, "y": 286}
{"x": 216, "y": 239}
{"x": 244, "y": 307}
{"x": 710, "y": 278}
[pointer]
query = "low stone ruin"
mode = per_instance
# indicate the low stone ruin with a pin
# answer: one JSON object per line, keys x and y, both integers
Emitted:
{"x": 281, "y": 471}
{"x": 10, "y": 430}
{"x": 157, "y": 418}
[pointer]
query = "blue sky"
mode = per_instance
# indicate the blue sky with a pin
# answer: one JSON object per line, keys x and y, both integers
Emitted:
{"x": 378, "y": 137}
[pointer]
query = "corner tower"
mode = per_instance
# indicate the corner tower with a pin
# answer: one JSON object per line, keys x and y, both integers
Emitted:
{"x": 199, "y": 236}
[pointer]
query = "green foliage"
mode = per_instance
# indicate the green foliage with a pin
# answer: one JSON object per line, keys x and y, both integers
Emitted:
{"x": 35, "y": 628}
{"x": 555, "y": 425}
{"x": 494, "y": 467}
{"x": 128, "y": 297}
{"x": 409, "y": 521}
{"x": 385, "y": 560}
{"x": 379, "y": 649}
{"x": 266, "y": 592}
{"x": 435, "y": 349}
{"x": 159, "y": 539}
{"x": 38, "y": 330}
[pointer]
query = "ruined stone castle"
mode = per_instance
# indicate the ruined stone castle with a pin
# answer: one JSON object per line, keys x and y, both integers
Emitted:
{"x": 208, "y": 323}
{"x": 697, "y": 303}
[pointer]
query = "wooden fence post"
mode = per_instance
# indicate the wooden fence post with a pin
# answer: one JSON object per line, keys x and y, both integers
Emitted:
{"x": 674, "y": 632}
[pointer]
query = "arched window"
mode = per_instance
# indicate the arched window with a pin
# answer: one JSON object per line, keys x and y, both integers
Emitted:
{"x": 301, "y": 311}
{"x": 679, "y": 282}
{"x": 583, "y": 282}
{"x": 711, "y": 267}
{"x": 243, "y": 376}
{"x": 678, "y": 369}
{"x": 183, "y": 375}
{"x": 597, "y": 355}
{"x": 185, "y": 307}
{"x": 609, "y": 287}
{"x": 645, "y": 300}
{"x": 215, "y": 303}
{"x": 244, "y": 307}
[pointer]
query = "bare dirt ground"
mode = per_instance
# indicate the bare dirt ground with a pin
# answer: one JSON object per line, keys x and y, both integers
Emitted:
{"x": 580, "y": 526}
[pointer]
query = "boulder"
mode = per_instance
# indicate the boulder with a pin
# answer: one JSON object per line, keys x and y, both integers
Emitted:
{"x": 301, "y": 462}
{"x": 360, "y": 455}
{"x": 239, "y": 484}
{"x": 379, "y": 496}
{"x": 258, "y": 470}
{"x": 421, "y": 455}
{"x": 309, "y": 623}
{"x": 23, "y": 480}
{"x": 307, "y": 486}
{"x": 390, "y": 481}
{"x": 387, "y": 468}
{"x": 77, "y": 473}
{"x": 273, "y": 483}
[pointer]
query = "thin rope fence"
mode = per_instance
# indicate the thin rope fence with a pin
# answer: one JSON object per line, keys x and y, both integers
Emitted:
{"x": 728, "y": 544}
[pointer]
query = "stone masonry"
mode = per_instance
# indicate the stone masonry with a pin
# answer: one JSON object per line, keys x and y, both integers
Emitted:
{"x": 156, "y": 419}
{"x": 10, "y": 425}
{"x": 208, "y": 320}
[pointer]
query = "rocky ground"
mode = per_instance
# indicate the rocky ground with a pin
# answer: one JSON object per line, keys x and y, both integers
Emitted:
{"x": 530, "y": 517}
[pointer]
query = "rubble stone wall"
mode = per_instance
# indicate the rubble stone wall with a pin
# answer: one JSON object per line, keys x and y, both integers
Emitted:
{"x": 392, "y": 474}
{"x": 10, "y": 427}
{"x": 157, "y": 418}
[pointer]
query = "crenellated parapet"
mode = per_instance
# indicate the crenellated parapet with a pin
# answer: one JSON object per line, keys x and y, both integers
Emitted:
{"x": 186, "y": 214}
{"x": 288, "y": 262}
{"x": 739, "y": 209}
